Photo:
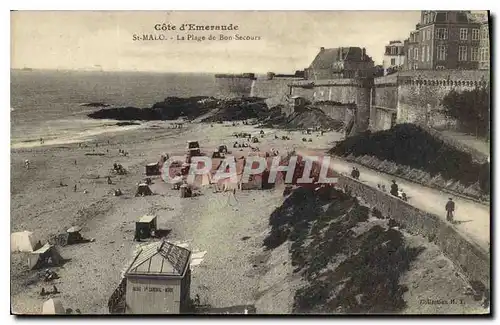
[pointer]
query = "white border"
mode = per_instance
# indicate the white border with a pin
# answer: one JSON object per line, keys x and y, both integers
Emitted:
{"x": 187, "y": 5}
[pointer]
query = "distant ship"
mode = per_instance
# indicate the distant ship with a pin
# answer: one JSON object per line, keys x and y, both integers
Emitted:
{"x": 27, "y": 69}
{"x": 235, "y": 85}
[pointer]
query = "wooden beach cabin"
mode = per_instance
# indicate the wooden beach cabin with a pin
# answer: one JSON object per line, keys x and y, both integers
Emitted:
{"x": 159, "y": 280}
{"x": 145, "y": 226}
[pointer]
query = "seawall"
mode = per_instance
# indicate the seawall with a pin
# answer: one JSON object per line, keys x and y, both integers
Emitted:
{"x": 234, "y": 87}
{"x": 473, "y": 260}
{"x": 405, "y": 97}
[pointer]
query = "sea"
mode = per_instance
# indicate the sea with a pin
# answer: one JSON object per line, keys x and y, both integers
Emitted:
{"x": 48, "y": 104}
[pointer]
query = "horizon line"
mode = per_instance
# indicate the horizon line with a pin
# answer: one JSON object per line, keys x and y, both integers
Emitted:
{"x": 143, "y": 71}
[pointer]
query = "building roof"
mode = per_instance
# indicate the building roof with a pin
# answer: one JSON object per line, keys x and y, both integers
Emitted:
{"x": 326, "y": 57}
{"x": 160, "y": 258}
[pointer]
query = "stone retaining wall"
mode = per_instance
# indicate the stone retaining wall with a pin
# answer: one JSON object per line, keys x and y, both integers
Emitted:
{"x": 472, "y": 259}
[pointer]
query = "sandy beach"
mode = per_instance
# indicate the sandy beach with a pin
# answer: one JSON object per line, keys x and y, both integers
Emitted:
{"x": 206, "y": 223}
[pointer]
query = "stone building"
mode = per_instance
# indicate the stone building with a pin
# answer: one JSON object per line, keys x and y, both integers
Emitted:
{"x": 342, "y": 62}
{"x": 444, "y": 40}
{"x": 394, "y": 56}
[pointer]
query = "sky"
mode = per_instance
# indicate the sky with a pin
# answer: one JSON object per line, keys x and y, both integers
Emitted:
{"x": 289, "y": 40}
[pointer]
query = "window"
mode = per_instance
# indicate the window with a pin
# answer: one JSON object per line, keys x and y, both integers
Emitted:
{"x": 414, "y": 37}
{"x": 410, "y": 52}
{"x": 441, "y": 33}
{"x": 484, "y": 54}
{"x": 484, "y": 33}
{"x": 393, "y": 62}
{"x": 475, "y": 34}
{"x": 415, "y": 51}
{"x": 429, "y": 34}
{"x": 428, "y": 53}
{"x": 474, "y": 54}
{"x": 393, "y": 50}
{"x": 441, "y": 17}
{"x": 462, "y": 53}
{"x": 463, "y": 34}
{"x": 442, "y": 52}
{"x": 462, "y": 17}
{"x": 423, "y": 53}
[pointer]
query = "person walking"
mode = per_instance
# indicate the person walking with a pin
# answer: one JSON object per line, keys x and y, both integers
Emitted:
{"x": 394, "y": 188}
{"x": 353, "y": 172}
{"x": 357, "y": 173}
{"x": 450, "y": 208}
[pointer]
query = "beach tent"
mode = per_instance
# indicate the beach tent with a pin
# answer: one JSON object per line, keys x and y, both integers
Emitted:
{"x": 74, "y": 235}
{"x": 53, "y": 307}
{"x": 44, "y": 257}
{"x": 143, "y": 190}
{"x": 24, "y": 241}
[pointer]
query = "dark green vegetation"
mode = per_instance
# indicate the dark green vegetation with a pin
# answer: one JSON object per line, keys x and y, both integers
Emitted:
{"x": 410, "y": 145}
{"x": 344, "y": 272}
{"x": 472, "y": 110}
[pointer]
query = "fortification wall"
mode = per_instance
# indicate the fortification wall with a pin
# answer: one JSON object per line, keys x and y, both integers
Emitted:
{"x": 420, "y": 95}
{"x": 233, "y": 87}
{"x": 381, "y": 120}
{"x": 336, "y": 112}
{"x": 417, "y": 95}
{"x": 385, "y": 91}
{"x": 273, "y": 90}
{"x": 473, "y": 260}
{"x": 339, "y": 90}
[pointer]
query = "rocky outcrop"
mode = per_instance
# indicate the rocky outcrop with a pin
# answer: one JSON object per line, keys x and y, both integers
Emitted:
{"x": 169, "y": 109}
{"x": 238, "y": 109}
{"x": 311, "y": 117}
{"x": 94, "y": 104}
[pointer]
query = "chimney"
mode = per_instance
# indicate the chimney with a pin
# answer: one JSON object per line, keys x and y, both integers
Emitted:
{"x": 364, "y": 54}
{"x": 321, "y": 49}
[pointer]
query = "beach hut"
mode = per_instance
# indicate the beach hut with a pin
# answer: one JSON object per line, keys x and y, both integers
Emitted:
{"x": 24, "y": 241}
{"x": 145, "y": 226}
{"x": 158, "y": 280}
{"x": 152, "y": 169}
{"x": 53, "y": 307}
